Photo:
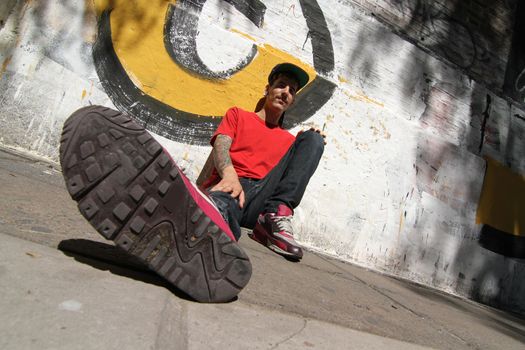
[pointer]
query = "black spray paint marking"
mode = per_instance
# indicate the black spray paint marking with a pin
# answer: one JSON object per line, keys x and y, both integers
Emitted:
{"x": 502, "y": 242}
{"x": 190, "y": 128}
{"x": 181, "y": 29}
{"x": 156, "y": 116}
{"x": 486, "y": 115}
{"x": 308, "y": 101}
{"x": 320, "y": 90}
{"x": 322, "y": 48}
{"x": 183, "y": 51}
{"x": 514, "y": 84}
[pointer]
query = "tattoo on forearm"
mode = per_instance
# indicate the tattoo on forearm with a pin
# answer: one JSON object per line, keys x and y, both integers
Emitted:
{"x": 221, "y": 153}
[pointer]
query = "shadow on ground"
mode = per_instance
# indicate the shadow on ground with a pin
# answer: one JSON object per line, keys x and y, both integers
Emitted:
{"x": 107, "y": 257}
{"x": 496, "y": 319}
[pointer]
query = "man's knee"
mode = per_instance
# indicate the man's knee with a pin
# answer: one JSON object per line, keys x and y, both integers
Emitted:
{"x": 229, "y": 209}
{"x": 223, "y": 200}
{"x": 313, "y": 140}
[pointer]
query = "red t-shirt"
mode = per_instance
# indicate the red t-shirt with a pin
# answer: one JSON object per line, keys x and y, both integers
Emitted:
{"x": 256, "y": 148}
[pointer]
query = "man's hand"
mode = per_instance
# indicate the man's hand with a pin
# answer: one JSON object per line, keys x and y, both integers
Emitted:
{"x": 230, "y": 184}
{"x": 229, "y": 180}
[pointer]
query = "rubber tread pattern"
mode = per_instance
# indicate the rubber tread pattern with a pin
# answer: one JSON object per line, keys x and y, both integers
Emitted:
{"x": 131, "y": 191}
{"x": 105, "y": 192}
{"x": 103, "y": 140}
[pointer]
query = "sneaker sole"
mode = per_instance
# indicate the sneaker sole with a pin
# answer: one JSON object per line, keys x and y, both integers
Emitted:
{"x": 131, "y": 192}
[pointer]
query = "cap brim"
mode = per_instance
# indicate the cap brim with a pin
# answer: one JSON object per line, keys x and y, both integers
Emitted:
{"x": 301, "y": 76}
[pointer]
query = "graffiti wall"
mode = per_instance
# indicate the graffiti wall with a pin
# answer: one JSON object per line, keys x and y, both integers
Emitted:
{"x": 186, "y": 102}
{"x": 423, "y": 173}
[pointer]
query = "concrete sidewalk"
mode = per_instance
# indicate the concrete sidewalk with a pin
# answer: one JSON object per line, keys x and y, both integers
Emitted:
{"x": 88, "y": 295}
{"x": 51, "y": 301}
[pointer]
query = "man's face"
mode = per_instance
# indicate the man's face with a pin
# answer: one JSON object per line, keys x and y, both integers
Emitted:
{"x": 281, "y": 94}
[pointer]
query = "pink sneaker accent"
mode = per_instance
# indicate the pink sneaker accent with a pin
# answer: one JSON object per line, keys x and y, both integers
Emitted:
{"x": 205, "y": 204}
{"x": 274, "y": 230}
{"x": 283, "y": 210}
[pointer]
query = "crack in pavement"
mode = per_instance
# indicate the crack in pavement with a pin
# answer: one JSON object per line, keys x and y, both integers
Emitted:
{"x": 172, "y": 331}
{"x": 290, "y": 336}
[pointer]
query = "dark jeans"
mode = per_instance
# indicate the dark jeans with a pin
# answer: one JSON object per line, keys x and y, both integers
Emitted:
{"x": 284, "y": 184}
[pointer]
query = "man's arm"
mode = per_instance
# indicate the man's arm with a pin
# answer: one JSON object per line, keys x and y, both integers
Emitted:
{"x": 221, "y": 153}
{"x": 223, "y": 163}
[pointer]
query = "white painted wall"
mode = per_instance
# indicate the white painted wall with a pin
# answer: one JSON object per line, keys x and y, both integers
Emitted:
{"x": 45, "y": 49}
{"x": 398, "y": 187}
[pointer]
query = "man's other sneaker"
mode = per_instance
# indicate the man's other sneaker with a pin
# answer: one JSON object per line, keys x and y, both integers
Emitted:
{"x": 274, "y": 230}
{"x": 133, "y": 193}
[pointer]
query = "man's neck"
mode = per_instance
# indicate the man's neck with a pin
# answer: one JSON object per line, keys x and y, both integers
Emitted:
{"x": 269, "y": 116}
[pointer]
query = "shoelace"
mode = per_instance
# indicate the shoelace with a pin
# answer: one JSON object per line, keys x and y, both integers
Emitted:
{"x": 283, "y": 223}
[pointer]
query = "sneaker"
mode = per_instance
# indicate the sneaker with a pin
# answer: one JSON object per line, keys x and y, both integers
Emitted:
{"x": 133, "y": 193}
{"x": 274, "y": 230}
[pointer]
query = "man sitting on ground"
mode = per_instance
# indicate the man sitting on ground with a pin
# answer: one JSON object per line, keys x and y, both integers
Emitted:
{"x": 261, "y": 170}
{"x": 132, "y": 192}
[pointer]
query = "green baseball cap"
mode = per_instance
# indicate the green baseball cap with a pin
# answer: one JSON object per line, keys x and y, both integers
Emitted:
{"x": 300, "y": 75}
